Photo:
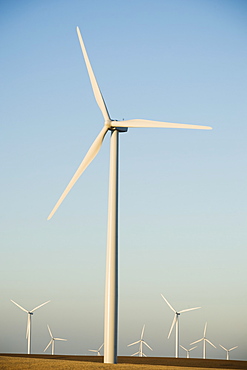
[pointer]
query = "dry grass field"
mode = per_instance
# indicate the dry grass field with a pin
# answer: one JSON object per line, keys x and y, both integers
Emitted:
{"x": 41, "y": 362}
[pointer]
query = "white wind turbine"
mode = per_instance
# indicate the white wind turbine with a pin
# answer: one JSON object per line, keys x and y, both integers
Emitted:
{"x": 188, "y": 350}
{"x": 29, "y": 314}
{"x": 114, "y": 127}
{"x": 141, "y": 341}
{"x": 227, "y": 351}
{"x": 52, "y": 341}
{"x": 176, "y": 323}
{"x": 205, "y": 340}
{"x": 97, "y": 350}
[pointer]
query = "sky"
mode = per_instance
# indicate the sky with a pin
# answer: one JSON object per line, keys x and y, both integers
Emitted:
{"x": 182, "y": 196}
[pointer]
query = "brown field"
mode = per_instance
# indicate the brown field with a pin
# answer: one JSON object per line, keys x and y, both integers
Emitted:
{"x": 43, "y": 362}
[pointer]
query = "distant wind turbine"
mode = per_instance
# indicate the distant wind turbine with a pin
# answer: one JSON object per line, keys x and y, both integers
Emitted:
{"x": 52, "y": 341}
{"x": 29, "y": 314}
{"x": 227, "y": 351}
{"x": 114, "y": 127}
{"x": 188, "y": 350}
{"x": 204, "y": 340}
{"x": 176, "y": 321}
{"x": 141, "y": 341}
{"x": 97, "y": 350}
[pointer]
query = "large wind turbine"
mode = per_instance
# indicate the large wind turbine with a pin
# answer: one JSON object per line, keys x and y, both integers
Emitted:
{"x": 141, "y": 341}
{"x": 188, "y": 350}
{"x": 52, "y": 341}
{"x": 29, "y": 315}
{"x": 176, "y": 321}
{"x": 204, "y": 339}
{"x": 114, "y": 127}
{"x": 227, "y": 351}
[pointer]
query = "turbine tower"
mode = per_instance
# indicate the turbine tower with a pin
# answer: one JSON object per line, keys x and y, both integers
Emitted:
{"x": 29, "y": 315}
{"x": 97, "y": 350}
{"x": 114, "y": 127}
{"x": 227, "y": 351}
{"x": 141, "y": 341}
{"x": 52, "y": 341}
{"x": 204, "y": 340}
{"x": 176, "y": 323}
{"x": 188, "y": 350}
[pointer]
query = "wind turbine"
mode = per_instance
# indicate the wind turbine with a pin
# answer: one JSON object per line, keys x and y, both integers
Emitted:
{"x": 141, "y": 341}
{"x": 176, "y": 321}
{"x": 227, "y": 351}
{"x": 97, "y": 350}
{"x": 188, "y": 350}
{"x": 114, "y": 127}
{"x": 204, "y": 339}
{"x": 29, "y": 315}
{"x": 52, "y": 341}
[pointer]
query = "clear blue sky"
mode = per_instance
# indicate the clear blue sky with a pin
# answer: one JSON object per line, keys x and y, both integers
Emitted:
{"x": 183, "y": 208}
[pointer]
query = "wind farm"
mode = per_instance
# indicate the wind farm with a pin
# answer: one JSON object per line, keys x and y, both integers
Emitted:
{"x": 181, "y": 193}
{"x": 141, "y": 342}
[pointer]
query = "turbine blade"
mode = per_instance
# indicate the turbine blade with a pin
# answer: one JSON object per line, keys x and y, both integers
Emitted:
{"x": 50, "y": 331}
{"x": 158, "y": 124}
{"x": 192, "y": 348}
{"x": 197, "y": 341}
{"x": 91, "y": 154}
{"x": 39, "y": 306}
{"x": 137, "y": 353}
{"x": 223, "y": 347}
{"x": 233, "y": 348}
{"x": 168, "y": 303}
{"x": 142, "y": 331}
{"x": 131, "y": 344}
{"x": 60, "y": 339}
{"x": 147, "y": 345}
{"x": 173, "y": 323}
{"x": 205, "y": 329}
{"x": 48, "y": 345}
{"x": 93, "y": 350}
{"x": 23, "y": 309}
{"x": 97, "y": 93}
{"x": 100, "y": 346}
{"x": 28, "y": 325}
{"x": 189, "y": 309}
{"x": 183, "y": 348}
{"x": 210, "y": 343}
